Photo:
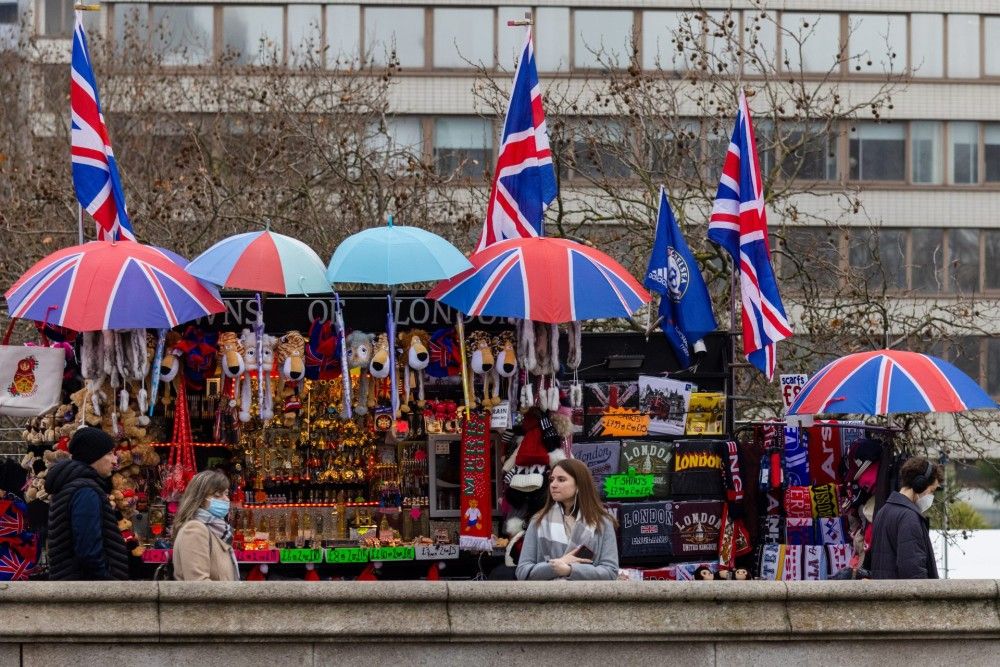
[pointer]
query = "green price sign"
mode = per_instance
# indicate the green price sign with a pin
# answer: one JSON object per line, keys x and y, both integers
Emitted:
{"x": 347, "y": 555}
{"x": 392, "y": 553}
{"x": 628, "y": 485}
{"x": 301, "y": 555}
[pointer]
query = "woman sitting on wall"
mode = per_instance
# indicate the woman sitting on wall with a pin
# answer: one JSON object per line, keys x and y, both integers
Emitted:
{"x": 573, "y": 536}
{"x": 203, "y": 541}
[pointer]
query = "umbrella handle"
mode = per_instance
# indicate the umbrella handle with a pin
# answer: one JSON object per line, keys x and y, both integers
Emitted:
{"x": 394, "y": 387}
{"x": 345, "y": 371}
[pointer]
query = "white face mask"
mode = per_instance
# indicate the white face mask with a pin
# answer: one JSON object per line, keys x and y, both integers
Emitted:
{"x": 924, "y": 503}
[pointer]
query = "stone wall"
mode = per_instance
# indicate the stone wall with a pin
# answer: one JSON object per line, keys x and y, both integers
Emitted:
{"x": 485, "y": 623}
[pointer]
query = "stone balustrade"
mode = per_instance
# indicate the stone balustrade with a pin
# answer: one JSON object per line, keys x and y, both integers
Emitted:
{"x": 494, "y": 623}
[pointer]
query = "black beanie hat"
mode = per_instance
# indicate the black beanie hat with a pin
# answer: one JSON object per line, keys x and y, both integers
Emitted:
{"x": 89, "y": 444}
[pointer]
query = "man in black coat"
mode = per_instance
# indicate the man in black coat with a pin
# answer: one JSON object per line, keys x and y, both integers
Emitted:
{"x": 901, "y": 543}
{"x": 84, "y": 542}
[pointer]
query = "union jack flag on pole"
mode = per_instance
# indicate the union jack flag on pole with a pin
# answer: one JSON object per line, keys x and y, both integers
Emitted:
{"x": 525, "y": 181}
{"x": 739, "y": 224}
{"x": 95, "y": 172}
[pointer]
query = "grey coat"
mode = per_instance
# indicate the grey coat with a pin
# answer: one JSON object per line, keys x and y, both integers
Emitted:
{"x": 901, "y": 543}
{"x": 534, "y": 566}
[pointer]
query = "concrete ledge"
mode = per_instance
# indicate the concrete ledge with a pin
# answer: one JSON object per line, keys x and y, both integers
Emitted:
{"x": 444, "y": 623}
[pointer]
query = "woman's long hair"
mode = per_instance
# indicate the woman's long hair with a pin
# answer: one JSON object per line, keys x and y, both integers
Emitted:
{"x": 588, "y": 503}
{"x": 203, "y": 485}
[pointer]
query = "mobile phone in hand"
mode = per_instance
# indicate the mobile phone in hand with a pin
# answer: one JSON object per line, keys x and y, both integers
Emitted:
{"x": 585, "y": 552}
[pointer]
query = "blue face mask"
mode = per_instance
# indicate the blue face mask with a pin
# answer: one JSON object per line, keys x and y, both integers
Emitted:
{"x": 218, "y": 507}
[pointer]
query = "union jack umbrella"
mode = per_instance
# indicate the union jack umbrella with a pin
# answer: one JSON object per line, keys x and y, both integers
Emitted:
{"x": 525, "y": 180}
{"x": 262, "y": 262}
{"x": 544, "y": 279}
{"x": 889, "y": 381}
{"x": 104, "y": 285}
{"x": 739, "y": 224}
{"x": 95, "y": 172}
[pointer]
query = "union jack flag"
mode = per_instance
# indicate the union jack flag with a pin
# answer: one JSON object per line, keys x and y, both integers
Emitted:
{"x": 525, "y": 181}
{"x": 11, "y": 524}
{"x": 95, "y": 172}
{"x": 14, "y": 567}
{"x": 739, "y": 224}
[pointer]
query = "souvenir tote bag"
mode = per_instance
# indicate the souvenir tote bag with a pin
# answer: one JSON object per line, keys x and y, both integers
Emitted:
{"x": 30, "y": 378}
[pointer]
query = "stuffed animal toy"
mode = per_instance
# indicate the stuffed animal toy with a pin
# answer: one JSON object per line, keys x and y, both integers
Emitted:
{"x": 248, "y": 339}
{"x": 416, "y": 358}
{"x": 170, "y": 365}
{"x": 266, "y": 364}
{"x": 289, "y": 356}
{"x": 481, "y": 361}
{"x": 231, "y": 349}
{"x": 200, "y": 349}
{"x": 505, "y": 363}
{"x": 360, "y": 348}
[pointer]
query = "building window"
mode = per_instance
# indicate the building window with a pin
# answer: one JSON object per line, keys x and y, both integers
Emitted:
{"x": 343, "y": 36}
{"x": 925, "y": 152}
{"x": 253, "y": 35}
{"x": 463, "y": 36}
{"x": 510, "y": 39}
{"x": 809, "y": 152}
{"x": 131, "y": 26}
{"x": 760, "y": 42}
{"x": 397, "y": 142}
{"x": 877, "y": 43}
{"x": 603, "y": 38}
{"x": 991, "y": 258}
{"x": 810, "y": 42}
{"x": 662, "y": 31}
{"x": 991, "y": 152}
{"x": 926, "y": 42}
{"x": 964, "y": 353}
{"x": 963, "y": 45}
{"x": 551, "y": 39}
{"x": 963, "y": 143}
{"x": 183, "y": 34}
{"x": 963, "y": 260}
{"x": 305, "y": 35}
{"x": 926, "y": 260}
{"x": 58, "y": 17}
{"x": 675, "y": 153}
{"x": 879, "y": 257}
{"x": 598, "y": 146}
{"x": 993, "y": 366}
{"x": 991, "y": 45}
{"x": 395, "y": 30}
{"x": 877, "y": 152}
{"x": 463, "y": 146}
{"x": 8, "y": 12}
{"x": 811, "y": 258}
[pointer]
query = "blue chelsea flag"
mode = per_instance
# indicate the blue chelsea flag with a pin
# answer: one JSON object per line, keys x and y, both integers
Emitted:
{"x": 685, "y": 308}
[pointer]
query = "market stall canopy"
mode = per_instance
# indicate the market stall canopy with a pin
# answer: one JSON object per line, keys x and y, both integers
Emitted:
{"x": 394, "y": 255}
{"x": 889, "y": 381}
{"x": 262, "y": 262}
{"x": 107, "y": 285}
{"x": 544, "y": 279}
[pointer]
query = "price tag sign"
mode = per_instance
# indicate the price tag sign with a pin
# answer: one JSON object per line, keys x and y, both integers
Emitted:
{"x": 347, "y": 555}
{"x": 436, "y": 551}
{"x": 259, "y": 556}
{"x": 791, "y": 386}
{"x": 391, "y": 553}
{"x": 628, "y": 485}
{"x": 442, "y": 447}
{"x": 301, "y": 555}
{"x": 500, "y": 416}
{"x": 156, "y": 555}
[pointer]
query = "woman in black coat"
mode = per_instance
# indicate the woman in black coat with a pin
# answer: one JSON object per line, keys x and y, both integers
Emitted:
{"x": 901, "y": 543}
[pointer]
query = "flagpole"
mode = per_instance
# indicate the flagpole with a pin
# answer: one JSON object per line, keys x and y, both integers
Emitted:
{"x": 80, "y": 8}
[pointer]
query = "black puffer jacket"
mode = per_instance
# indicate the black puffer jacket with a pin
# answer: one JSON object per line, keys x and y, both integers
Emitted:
{"x": 109, "y": 560}
{"x": 901, "y": 542}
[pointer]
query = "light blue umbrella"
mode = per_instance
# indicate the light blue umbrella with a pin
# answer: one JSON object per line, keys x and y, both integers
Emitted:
{"x": 393, "y": 255}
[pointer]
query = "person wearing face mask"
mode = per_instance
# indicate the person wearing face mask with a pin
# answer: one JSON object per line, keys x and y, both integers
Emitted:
{"x": 901, "y": 543}
{"x": 572, "y": 536}
{"x": 203, "y": 541}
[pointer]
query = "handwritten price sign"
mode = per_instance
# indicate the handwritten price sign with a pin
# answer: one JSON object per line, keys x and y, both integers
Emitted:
{"x": 156, "y": 555}
{"x": 301, "y": 555}
{"x": 391, "y": 553}
{"x": 436, "y": 551}
{"x": 259, "y": 556}
{"x": 791, "y": 386}
{"x": 347, "y": 555}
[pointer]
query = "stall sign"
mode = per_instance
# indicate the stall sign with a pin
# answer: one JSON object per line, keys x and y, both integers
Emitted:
{"x": 347, "y": 555}
{"x": 436, "y": 551}
{"x": 302, "y": 555}
{"x": 258, "y": 556}
{"x": 791, "y": 387}
{"x": 625, "y": 423}
{"x": 391, "y": 553}
{"x": 500, "y": 416}
{"x": 628, "y": 485}
{"x": 603, "y": 398}
{"x": 156, "y": 555}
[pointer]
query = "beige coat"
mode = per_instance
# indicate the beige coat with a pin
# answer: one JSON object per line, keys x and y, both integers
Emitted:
{"x": 201, "y": 556}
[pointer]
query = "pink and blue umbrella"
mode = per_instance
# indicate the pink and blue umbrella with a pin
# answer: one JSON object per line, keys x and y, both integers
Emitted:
{"x": 889, "y": 381}
{"x": 545, "y": 279}
{"x": 104, "y": 285}
{"x": 262, "y": 262}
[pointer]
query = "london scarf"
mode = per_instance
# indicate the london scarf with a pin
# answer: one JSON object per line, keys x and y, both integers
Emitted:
{"x": 476, "y": 527}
